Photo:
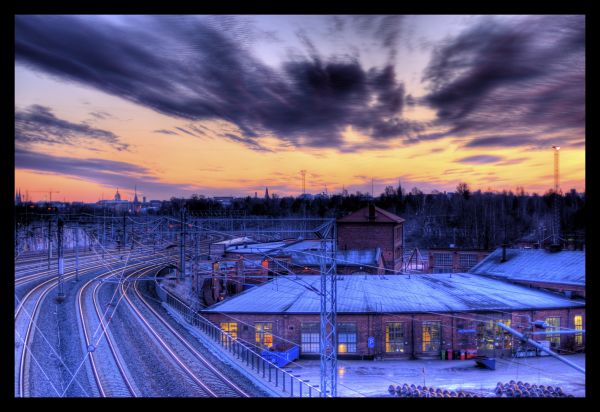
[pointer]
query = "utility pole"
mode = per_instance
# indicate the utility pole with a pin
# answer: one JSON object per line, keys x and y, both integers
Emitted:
{"x": 556, "y": 223}
{"x": 182, "y": 244}
{"x": 49, "y": 241}
{"x": 328, "y": 333}
{"x": 61, "y": 264}
{"x": 124, "y": 229}
{"x": 77, "y": 252}
{"x": 303, "y": 173}
{"x": 103, "y": 231}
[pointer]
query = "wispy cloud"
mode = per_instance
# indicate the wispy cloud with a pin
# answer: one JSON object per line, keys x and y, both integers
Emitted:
{"x": 479, "y": 159}
{"x": 37, "y": 124}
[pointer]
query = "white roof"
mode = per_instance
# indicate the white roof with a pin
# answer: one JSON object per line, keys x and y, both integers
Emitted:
{"x": 392, "y": 294}
{"x": 564, "y": 267}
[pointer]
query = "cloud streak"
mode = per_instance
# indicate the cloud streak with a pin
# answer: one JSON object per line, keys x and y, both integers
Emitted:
{"x": 37, "y": 124}
{"x": 306, "y": 102}
{"x": 521, "y": 76}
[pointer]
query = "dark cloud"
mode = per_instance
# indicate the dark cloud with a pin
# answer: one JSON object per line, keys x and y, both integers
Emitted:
{"x": 164, "y": 131}
{"x": 479, "y": 159}
{"x": 102, "y": 171}
{"x": 246, "y": 141}
{"x": 192, "y": 68}
{"x": 502, "y": 141}
{"x": 181, "y": 129}
{"x": 513, "y": 161}
{"x": 521, "y": 76}
{"x": 37, "y": 124}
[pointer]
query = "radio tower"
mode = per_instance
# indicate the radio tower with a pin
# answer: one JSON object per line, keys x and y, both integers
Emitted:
{"x": 303, "y": 173}
{"x": 556, "y": 223}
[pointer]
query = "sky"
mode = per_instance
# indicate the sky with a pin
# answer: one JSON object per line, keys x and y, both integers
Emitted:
{"x": 230, "y": 105}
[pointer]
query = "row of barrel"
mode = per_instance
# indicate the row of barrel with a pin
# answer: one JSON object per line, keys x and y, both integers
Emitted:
{"x": 418, "y": 391}
{"x": 520, "y": 389}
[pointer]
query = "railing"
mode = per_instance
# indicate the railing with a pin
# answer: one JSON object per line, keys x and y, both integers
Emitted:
{"x": 288, "y": 383}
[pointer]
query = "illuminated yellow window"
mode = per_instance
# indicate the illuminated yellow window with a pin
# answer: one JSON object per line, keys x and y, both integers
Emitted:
{"x": 230, "y": 328}
{"x": 578, "y": 321}
{"x": 394, "y": 337}
{"x": 264, "y": 334}
{"x": 346, "y": 337}
{"x": 431, "y": 336}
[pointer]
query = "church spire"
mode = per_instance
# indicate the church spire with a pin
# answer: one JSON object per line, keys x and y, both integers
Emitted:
{"x": 266, "y": 193}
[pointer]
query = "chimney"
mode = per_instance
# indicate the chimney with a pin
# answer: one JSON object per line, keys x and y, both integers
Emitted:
{"x": 503, "y": 252}
{"x": 371, "y": 211}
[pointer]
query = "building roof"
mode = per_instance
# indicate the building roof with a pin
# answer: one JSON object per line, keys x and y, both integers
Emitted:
{"x": 392, "y": 294}
{"x": 564, "y": 267}
{"x": 344, "y": 257}
{"x": 362, "y": 215}
{"x": 235, "y": 241}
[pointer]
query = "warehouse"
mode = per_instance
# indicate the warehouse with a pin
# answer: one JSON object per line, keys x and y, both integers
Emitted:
{"x": 411, "y": 316}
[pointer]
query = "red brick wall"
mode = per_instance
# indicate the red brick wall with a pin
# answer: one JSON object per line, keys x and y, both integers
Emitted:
{"x": 372, "y": 235}
{"x": 288, "y": 327}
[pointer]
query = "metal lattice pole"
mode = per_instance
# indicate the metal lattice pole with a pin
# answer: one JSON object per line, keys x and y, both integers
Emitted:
{"x": 328, "y": 333}
{"x": 77, "y": 252}
{"x": 61, "y": 263}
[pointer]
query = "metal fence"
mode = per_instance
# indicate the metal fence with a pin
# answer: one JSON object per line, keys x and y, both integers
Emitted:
{"x": 284, "y": 380}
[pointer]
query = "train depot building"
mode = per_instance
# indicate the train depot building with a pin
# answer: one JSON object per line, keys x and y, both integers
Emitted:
{"x": 426, "y": 316}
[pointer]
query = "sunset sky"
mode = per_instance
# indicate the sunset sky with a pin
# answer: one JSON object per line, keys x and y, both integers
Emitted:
{"x": 229, "y": 105}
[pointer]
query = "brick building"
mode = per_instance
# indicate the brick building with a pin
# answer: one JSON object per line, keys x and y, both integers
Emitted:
{"x": 371, "y": 228}
{"x": 402, "y": 316}
{"x": 562, "y": 272}
{"x": 453, "y": 260}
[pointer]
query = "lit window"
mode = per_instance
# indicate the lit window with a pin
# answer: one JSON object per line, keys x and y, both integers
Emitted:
{"x": 578, "y": 321}
{"x": 309, "y": 339}
{"x": 431, "y": 336}
{"x": 492, "y": 336}
{"x": 554, "y": 325}
{"x": 230, "y": 328}
{"x": 394, "y": 337}
{"x": 346, "y": 337}
{"x": 264, "y": 334}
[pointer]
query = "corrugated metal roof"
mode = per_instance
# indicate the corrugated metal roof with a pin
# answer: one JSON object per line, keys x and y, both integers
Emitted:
{"x": 564, "y": 267}
{"x": 344, "y": 257}
{"x": 393, "y": 294}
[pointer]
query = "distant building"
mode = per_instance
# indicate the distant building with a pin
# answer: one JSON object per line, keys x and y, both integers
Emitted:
{"x": 116, "y": 205}
{"x": 453, "y": 260}
{"x": 371, "y": 228}
{"x": 562, "y": 272}
{"x": 18, "y": 197}
{"x": 226, "y": 201}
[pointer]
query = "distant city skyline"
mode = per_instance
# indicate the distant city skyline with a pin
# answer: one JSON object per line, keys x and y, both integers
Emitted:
{"x": 230, "y": 105}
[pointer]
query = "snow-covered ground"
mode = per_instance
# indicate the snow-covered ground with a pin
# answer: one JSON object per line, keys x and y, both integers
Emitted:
{"x": 358, "y": 378}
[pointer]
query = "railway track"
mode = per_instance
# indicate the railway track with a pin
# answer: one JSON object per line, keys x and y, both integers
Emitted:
{"x": 104, "y": 356}
{"x": 209, "y": 380}
{"x": 27, "y": 311}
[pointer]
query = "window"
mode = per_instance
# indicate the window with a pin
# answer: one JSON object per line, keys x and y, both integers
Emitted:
{"x": 309, "y": 339}
{"x": 431, "y": 336}
{"x": 264, "y": 334}
{"x": 467, "y": 260}
{"x": 394, "y": 337}
{"x": 442, "y": 259}
{"x": 554, "y": 323}
{"x": 230, "y": 328}
{"x": 492, "y": 336}
{"x": 346, "y": 337}
{"x": 578, "y": 321}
